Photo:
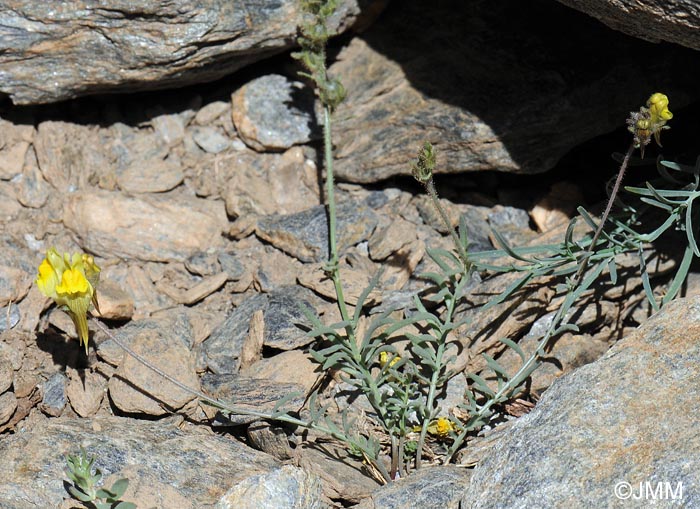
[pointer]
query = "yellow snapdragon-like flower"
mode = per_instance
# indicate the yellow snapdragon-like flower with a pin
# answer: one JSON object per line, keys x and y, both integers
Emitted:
{"x": 71, "y": 282}
{"x": 650, "y": 120}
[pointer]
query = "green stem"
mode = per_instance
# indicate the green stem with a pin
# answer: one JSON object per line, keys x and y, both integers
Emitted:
{"x": 333, "y": 263}
{"x": 430, "y": 188}
{"x": 435, "y": 377}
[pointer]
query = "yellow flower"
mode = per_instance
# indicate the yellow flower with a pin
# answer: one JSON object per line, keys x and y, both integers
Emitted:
{"x": 384, "y": 359}
{"x": 441, "y": 427}
{"x": 70, "y": 281}
{"x": 650, "y": 120}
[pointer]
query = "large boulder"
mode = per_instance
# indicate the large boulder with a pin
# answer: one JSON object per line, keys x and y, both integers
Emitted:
{"x": 499, "y": 85}
{"x": 676, "y": 21}
{"x": 53, "y": 51}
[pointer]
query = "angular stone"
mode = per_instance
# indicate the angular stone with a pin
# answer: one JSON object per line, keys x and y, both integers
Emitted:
{"x": 271, "y": 184}
{"x": 203, "y": 264}
{"x": 164, "y": 466}
{"x": 231, "y": 265}
{"x": 209, "y": 113}
{"x": 68, "y": 154}
{"x": 14, "y": 316}
{"x": 427, "y": 488}
{"x": 152, "y": 176}
{"x": 221, "y": 351}
{"x": 148, "y": 228}
{"x": 606, "y": 423}
{"x": 210, "y": 140}
{"x": 305, "y": 235}
{"x": 136, "y": 388}
{"x": 85, "y": 392}
{"x": 6, "y": 372}
{"x": 273, "y": 113}
{"x": 292, "y": 366}
{"x": 15, "y": 141}
{"x": 31, "y": 189}
{"x": 50, "y": 52}
{"x": 255, "y": 394}
{"x": 114, "y": 302}
{"x": 8, "y": 405}
{"x": 54, "y": 395}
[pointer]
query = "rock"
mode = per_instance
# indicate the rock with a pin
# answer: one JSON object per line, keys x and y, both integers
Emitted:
{"x": 8, "y": 405}
{"x": 208, "y": 114}
{"x": 271, "y": 439}
{"x": 344, "y": 477}
{"x": 114, "y": 302}
{"x": 221, "y": 351}
{"x": 12, "y": 314}
{"x": 231, "y": 265}
{"x": 210, "y": 140}
{"x": 675, "y": 21}
{"x": 141, "y": 45}
{"x": 136, "y": 388}
{"x": 151, "y": 176}
{"x": 9, "y": 205}
{"x": 164, "y": 466}
{"x": 427, "y": 488}
{"x": 85, "y": 391}
{"x": 512, "y": 223}
{"x": 204, "y": 288}
{"x": 31, "y": 189}
{"x": 291, "y": 366}
{"x": 558, "y": 206}
{"x": 479, "y": 101}
{"x": 288, "y": 487}
{"x": 6, "y": 373}
{"x": 255, "y": 394}
{"x": 170, "y": 127}
{"x": 606, "y": 423}
{"x": 203, "y": 264}
{"x": 274, "y": 113}
{"x": 14, "y": 144}
{"x": 148, "y": 228}
{"x": 68, "y": 154}
{"x": 304, "y": 235}
{"x": 271, "y": 184}
{"x": 54, "y": 395}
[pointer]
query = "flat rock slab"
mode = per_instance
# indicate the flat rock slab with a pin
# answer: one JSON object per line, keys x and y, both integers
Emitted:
{"x": 150, "y": 228}
{"x": 630, "y": 417}
{"x": 166, "y": 467}
{"x": 495, "y": 88}
{"x": 56, "y": 52}
{"x": 254, "y": 394}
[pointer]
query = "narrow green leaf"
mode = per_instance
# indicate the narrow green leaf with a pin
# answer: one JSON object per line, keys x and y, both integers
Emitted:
{"x": 680, "y": 276}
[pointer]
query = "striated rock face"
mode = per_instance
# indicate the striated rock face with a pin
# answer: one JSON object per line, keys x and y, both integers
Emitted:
{"x": 598, "y": 434}
{"x": 54, "y": 51}
{"x": 500, "y": 85}
{"x": 674, "y": 21}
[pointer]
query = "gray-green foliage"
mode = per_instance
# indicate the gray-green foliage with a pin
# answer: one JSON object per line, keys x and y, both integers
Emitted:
{"x": 85, "y": 484}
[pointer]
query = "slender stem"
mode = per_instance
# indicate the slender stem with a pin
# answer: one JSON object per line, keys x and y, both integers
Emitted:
{"x": 430, "y": 188}
{"x": 330, "y": 201}
{"x": 243, "y": 411}
{"x": 608, "y": 207}
{"x": 434, "y": 379}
